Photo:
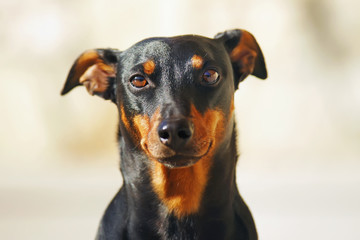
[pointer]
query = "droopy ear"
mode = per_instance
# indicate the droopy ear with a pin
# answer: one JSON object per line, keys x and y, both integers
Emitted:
{"x": 245, "y": 54}
{"x": 96, "y": 70}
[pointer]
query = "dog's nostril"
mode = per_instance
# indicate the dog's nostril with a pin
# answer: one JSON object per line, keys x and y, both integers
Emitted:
{"x": 164, "y": 135}
{"x": 184, "y": 133}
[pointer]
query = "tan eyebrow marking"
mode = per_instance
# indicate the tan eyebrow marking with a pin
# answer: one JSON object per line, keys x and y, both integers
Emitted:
{"x": 197, "y": 61}
{"x": 149, "y": 67}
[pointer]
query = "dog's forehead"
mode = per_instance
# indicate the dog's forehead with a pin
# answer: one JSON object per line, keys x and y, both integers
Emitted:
{"x": 166, "y": 49}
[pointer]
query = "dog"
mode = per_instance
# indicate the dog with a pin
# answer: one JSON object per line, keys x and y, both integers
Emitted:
{"x": 177, "y": 135}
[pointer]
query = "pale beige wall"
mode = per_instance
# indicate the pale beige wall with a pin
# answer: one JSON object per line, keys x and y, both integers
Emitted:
{"x": 302, "y": 123}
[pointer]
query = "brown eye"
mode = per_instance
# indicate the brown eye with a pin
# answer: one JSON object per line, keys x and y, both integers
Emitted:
{"x": 138, "y": 81}
{"x": 211, "y": 76}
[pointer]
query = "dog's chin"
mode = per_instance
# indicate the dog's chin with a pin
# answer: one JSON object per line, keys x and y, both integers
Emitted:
{"x": 178, "y": 161}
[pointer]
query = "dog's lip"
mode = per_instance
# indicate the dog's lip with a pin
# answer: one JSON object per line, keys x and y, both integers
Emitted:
{"x": 181, "y": 160}
{"x": 178, "y": 161}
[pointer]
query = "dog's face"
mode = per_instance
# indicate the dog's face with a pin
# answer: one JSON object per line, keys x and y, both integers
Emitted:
{"x": 174, "y": 95}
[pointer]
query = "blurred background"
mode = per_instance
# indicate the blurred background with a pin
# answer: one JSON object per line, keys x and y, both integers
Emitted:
{"x": 299, "y": 131}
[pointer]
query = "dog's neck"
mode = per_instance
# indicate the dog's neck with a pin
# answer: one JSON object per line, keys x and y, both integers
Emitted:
{"x": 161, "y": 201}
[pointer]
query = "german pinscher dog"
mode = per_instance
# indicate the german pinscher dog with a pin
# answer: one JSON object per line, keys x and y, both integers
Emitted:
{"x": 177, "y": 137}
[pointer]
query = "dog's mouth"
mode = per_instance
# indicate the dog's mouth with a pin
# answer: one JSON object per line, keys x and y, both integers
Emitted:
{"x": 178, "y": 142}
{"x": 183, "y": 159}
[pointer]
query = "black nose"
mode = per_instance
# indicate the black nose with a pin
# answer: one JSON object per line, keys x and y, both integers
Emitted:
{"x": 175, "y": 133}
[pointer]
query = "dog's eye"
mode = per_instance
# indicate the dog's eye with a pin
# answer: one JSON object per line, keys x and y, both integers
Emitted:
{"x": 138, "y": 81}
{"x": 210, "y": 76}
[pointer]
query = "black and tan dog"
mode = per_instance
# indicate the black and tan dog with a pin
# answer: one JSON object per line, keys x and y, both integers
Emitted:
{"x": 177, "y": 138}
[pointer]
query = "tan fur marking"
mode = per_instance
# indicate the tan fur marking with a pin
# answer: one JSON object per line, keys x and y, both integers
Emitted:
{"x": 149, "y": 67}
{"x": 95, "y": 78}
{"x": 127, "y": 124}
{"x": 197, "y": 61}
{"x": 181, "y": 189}
{"x": 86, "y": 60}
{"x": 245, "y": 52}
{"x": 142, "y": 124}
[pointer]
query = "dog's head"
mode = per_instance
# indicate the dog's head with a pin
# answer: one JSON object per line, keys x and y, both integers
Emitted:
{"x": 174, "y": 95}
